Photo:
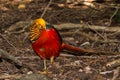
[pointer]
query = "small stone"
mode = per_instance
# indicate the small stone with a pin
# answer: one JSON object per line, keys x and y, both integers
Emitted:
{"x": 21, "y": 6}
{"x": 30, "y": 72}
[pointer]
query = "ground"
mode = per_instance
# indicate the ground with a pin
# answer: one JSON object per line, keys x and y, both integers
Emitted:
{"x": 66, "y": 66}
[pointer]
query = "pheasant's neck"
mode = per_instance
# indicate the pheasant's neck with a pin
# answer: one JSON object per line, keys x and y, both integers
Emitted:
{"x": 35, "y": 31}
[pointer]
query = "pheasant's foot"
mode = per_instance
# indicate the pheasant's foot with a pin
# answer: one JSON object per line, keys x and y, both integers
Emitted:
{"x": 45, "y": 72}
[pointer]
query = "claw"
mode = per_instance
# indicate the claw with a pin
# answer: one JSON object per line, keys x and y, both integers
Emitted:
{"x": 43, "y": 72}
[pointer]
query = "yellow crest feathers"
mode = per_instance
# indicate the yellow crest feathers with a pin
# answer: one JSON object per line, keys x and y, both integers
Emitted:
{"x": 41, "y": 22}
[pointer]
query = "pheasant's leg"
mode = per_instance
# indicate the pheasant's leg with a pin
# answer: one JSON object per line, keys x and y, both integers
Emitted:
{"x": 52, "y": 59}
{"x": 45, "y": 67}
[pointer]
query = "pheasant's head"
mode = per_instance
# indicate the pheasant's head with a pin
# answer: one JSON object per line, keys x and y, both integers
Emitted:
{"x": 41, "y": 22}
{"x": 36, "y": 28}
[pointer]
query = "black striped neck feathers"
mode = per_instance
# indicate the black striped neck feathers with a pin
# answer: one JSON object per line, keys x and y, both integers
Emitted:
{"x": 36, "y": 28}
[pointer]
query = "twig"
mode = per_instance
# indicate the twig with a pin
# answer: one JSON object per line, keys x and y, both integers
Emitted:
{"x": 46, "y": 8}
{"x": 72, "y": 4}
{"x": 113, "y": 16}
{"x": 9, "y": 43}
{"x": 96, "y": 32}
{"x": 10, "y": 58}
{"x": 26, "y": 36}
{"x": 90, "y": 37}
{"x": 68, "y": 26}
{"x": 114, "y": 34}
{"x": 21, "y": 31}
{"x": 4, "y": 77}
{"x": 29, "y": 57}
{"x": 106, "y": 72}
{"x": 116, "y": 73}
{"x": 113, "y": 64}
{"x": 34, "y": 76}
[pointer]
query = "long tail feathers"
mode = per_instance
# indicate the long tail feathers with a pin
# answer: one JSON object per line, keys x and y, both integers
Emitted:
{"x": 77, "y": 50}
{"x": 72, "y": 48}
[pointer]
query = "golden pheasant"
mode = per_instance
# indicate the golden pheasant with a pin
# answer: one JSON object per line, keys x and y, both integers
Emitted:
{"x": 47, "y": 42}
